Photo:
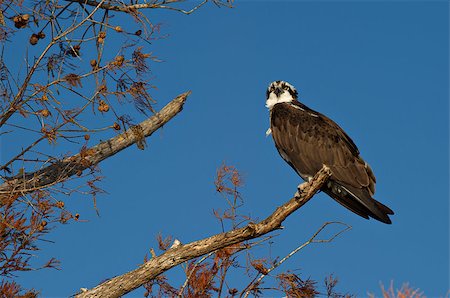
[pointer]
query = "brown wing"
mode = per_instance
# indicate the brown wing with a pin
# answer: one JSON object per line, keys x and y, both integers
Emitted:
{"x": 307, "y": 139}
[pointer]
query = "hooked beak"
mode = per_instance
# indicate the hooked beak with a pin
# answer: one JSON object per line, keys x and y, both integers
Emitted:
{"x": 278, "y": 91}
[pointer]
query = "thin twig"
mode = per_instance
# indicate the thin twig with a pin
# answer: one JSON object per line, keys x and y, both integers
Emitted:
{"x": 134, "y": 7}
{"x": 258, "y": 280}
{"x": 122, "y": 284}
{"x": 15, "y": 104}
{"x": 61, "y": 170}
{"x": 192, "y": 272}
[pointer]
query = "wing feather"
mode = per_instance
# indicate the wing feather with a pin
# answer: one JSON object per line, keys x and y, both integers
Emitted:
{"x": 308, "y": 139}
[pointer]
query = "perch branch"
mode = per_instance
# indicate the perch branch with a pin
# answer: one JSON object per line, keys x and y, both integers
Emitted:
{"x": 67, "y": 167}
{"x": 120, "y": 285}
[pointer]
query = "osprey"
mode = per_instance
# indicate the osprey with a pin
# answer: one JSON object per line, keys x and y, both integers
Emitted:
{"x": 307, "y": 140}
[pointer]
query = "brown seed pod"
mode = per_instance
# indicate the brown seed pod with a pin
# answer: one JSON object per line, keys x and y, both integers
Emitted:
{"x": 93, "y": 64}
{"x": 60, "y": 204}
{"x": 87, "y": 137}
{"x": 21, "y": 21}
{"x": 100, "y": 40}
{"x": 119, "y": 60}
{"x": 77, "y": 216}
{"x": 34, "y": 39}
{"x": 102, "y": 89}
{"x": 138, "y": 33}
{"x": 103, "y": 106}
{"x": 233, "y": 291}
{"x": 102, "y": 34}
{"x": 116, "y": 126}
{"x": 45, "y": 113}
{"x": 42, "y": 226}
{"x": 41, "y": 35}
{"x": 118, "y": 29}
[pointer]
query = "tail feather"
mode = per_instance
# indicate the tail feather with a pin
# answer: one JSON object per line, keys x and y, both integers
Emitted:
{"x": 349, "y": 203}
{"x": 358, "y": 201}
{"x": 384, "y": 208}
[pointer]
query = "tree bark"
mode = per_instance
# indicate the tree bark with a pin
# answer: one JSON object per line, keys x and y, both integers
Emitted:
{"x": 127, "y": 282}
{"x": 61, "y": 170}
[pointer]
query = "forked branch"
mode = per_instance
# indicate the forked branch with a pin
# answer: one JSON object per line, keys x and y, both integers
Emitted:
{"x": 127, "y": 282}
{"x": 257, "y": 281}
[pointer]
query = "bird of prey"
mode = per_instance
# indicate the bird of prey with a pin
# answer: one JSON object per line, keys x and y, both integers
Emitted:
{"x": 307, "y": 140}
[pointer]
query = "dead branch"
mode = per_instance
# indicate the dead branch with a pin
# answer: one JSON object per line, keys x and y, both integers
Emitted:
{"x": 127, "y": 282}
{"x": 63, "y": 169}
{"x": 238, "y": 248}
{"x": 133, "y": 7}
{"x": 313, "y": 239}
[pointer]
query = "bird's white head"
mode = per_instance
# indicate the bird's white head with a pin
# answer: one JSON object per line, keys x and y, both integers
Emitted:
{"x": 278, "y": 92}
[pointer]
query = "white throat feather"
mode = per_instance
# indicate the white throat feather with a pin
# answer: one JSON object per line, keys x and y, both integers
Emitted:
{"x": 273, "y": 99}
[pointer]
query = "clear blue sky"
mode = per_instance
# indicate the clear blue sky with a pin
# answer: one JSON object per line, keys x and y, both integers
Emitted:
{"x": 379, "y": 69}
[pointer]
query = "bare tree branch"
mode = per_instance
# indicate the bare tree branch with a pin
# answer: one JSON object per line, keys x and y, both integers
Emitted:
{"x": 313, "y": 239}
{"x": 156, "y": 4}
{"x": 127, "y": 282}
{"x": 61, "y": 170}
{"x": 17, "y": 102}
